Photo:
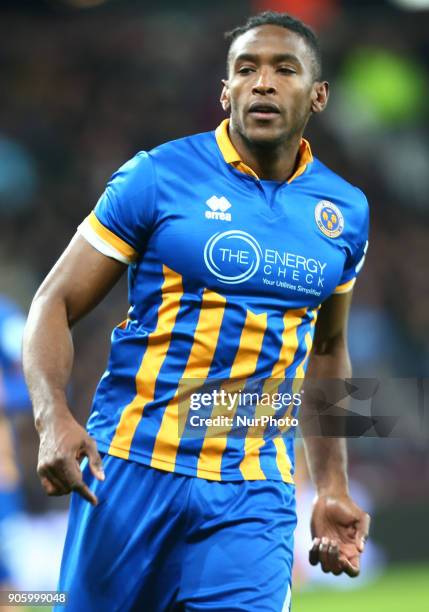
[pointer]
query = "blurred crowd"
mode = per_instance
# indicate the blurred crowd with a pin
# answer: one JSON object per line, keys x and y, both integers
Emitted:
{"x": 83, "y": 91}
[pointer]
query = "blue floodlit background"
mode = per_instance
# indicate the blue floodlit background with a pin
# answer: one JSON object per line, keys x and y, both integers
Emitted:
{"x": 87, "y": 83}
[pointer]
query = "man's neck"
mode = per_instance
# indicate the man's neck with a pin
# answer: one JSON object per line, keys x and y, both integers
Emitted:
{"x": 275, "y": 164}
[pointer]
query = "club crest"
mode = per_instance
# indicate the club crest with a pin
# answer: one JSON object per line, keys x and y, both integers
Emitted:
{"x": 329, "y": 219}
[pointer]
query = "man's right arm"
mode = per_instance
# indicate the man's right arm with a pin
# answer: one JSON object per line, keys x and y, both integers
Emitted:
{"x": 77, "y": 283}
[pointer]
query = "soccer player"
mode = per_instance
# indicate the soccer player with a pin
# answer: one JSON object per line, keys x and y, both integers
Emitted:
{"x": 236, "y": 241}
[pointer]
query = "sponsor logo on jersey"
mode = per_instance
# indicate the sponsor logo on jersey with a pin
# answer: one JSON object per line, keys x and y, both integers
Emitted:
{"x": 329, "y": 219}
{"x": 232, "y": 257}
{"x": 218, "y": 208}
{"x": 235, "y": 256}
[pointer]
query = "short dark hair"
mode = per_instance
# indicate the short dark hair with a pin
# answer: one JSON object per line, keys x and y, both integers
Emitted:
{"x": 284, "y": 21}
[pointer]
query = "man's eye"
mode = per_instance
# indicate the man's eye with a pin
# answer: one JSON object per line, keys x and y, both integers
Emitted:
{"x": 245, "y": 70}
{"x": 286, "y": 70}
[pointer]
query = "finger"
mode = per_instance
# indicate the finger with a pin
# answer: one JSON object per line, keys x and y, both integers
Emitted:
{"x": 350, "y": 569}
{"x": 314, "y": 552}
{"x": 333, "y": 558}
{"x": 363, "y": 532}
{"x": 61, "y": 486}
{"x": 63, "y": 472}
{"x": 327, "y": 558}
{"x": 70, "y": 473}
{"x": 95, "y": 462}
{"x": 51, "y": 484}
{"x": 323, "y": 553}
{"x": 48, "y": 486}
{"x": 84, "y": 491}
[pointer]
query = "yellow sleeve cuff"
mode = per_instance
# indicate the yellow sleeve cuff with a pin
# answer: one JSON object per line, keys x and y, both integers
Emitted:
{"x": 105, "y": 241}
{"x": 345, "y": 287}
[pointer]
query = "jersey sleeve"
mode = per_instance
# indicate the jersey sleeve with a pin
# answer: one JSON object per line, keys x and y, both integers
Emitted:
{"x": 356, "y": 256}
{"x": 120, "y": 223}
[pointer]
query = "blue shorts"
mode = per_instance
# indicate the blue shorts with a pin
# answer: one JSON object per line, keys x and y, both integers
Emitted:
{"x": 160, "y": 541}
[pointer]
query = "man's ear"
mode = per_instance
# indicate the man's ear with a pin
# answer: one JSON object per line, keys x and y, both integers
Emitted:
{"x": 319, "y": 97}
{"x": 225, "y": 97}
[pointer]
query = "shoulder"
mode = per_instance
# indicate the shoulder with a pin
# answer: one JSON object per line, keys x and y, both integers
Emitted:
{"x": 195, "y": 147}
{"x": 142, "y": 162}
{"x": 338, "y": 187}
{"x": 345, "y": 201}
{"x": 133, "y": 178}
{"x": 135, "y": 167}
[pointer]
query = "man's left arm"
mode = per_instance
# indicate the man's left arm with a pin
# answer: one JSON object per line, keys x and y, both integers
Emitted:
{"x": 339, "y": 527}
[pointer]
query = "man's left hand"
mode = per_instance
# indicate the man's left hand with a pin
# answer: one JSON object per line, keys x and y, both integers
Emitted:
{"x": 339, "y": 529}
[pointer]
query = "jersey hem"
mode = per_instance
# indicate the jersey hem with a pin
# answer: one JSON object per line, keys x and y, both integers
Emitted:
{"x": 167, "y": 466}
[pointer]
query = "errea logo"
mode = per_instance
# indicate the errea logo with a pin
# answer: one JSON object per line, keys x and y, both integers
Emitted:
{"x": 218, "y": 208}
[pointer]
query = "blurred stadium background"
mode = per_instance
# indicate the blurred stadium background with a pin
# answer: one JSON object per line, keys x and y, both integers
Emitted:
{"x": 87, "y": 83}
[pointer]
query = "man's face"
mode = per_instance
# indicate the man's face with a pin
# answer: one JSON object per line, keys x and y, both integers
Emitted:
{"x": 271, "y": 90}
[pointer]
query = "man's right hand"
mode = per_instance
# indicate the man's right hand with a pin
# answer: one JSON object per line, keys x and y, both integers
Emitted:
{"x": 63, "y": 445}
{"x": 76, "y": 284}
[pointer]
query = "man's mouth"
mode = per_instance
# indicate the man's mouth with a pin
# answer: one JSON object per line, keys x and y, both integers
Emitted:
{"x": 264, "y": 110}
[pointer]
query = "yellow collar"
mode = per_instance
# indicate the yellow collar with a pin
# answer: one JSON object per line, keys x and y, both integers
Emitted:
{"x": 231, "y": 156}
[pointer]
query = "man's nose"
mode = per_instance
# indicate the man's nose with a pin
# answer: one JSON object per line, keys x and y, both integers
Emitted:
{"x": 265, "y": 83}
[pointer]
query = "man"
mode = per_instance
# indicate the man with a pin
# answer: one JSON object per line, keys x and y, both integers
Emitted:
{"x": 233, "y": 240}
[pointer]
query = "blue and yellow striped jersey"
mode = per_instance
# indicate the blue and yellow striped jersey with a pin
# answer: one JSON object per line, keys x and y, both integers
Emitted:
{"x": 226, "y": 276}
